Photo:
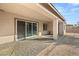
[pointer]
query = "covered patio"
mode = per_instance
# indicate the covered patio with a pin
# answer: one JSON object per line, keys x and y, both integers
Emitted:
{"x": 26, "y": 21}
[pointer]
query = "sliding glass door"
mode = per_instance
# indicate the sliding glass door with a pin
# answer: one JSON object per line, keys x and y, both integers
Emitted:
{"x": 31, "y": 29}
{"x": 34, "y": 30}
{"x": 20, "y": 29}
{"x": 26, "y": 29}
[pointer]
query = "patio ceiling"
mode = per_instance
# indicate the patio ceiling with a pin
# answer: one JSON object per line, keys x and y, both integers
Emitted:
{"x": 27, "y": 10}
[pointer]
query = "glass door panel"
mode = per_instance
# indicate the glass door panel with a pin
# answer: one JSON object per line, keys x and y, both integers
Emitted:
{"x": 26, "y": 29}
{"x": 20, "y": 29}
{"x": 34, "y": 28}
{"x": 29, "y": 29}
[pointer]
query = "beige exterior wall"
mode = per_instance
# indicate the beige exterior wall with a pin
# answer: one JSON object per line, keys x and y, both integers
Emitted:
{"x": 32, "y": 13}
{"x": 40, "y": 29}
{"x": 7, "y": 26}
{"x": 60, "y": 28}
{"x": 55, "y": 28}
{"x": 50, "y": 27}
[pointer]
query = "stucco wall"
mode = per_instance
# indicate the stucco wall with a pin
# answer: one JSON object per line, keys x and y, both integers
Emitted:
{"x": 40, "y": 29}
{"x": 60, "y": 28}
{"x": 50, "y": 27}
{"x": 7, "y": 26}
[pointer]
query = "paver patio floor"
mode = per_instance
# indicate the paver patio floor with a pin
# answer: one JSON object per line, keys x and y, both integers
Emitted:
{"x": 64, "y": 46}
{"x": 24, "y": 48}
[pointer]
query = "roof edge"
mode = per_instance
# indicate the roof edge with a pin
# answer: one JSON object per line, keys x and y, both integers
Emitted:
{"x": 53, "y": 10}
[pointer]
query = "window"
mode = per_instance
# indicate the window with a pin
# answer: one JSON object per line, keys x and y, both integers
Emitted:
{"x": 44, "y": 27}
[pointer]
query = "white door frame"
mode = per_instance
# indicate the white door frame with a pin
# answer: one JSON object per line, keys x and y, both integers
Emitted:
{"x": 17, "y": 19}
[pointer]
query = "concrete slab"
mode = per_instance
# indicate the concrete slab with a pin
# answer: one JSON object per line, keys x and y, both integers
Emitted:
{"x": 64, "y": 46}
{"x": 67, "y": 46}
{"x": 24, "y": 48}
{"x": 64, "y": 50}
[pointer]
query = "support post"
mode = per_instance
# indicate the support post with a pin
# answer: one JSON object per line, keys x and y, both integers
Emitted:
{"x": 55, "y": 28}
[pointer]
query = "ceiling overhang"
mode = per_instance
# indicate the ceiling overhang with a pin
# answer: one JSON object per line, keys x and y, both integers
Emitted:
{"x": 31, "y": 10}
{"x": 52, "y": 9}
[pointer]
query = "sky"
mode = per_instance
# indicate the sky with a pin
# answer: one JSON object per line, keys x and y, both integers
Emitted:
{"x": 70, "y": 11}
